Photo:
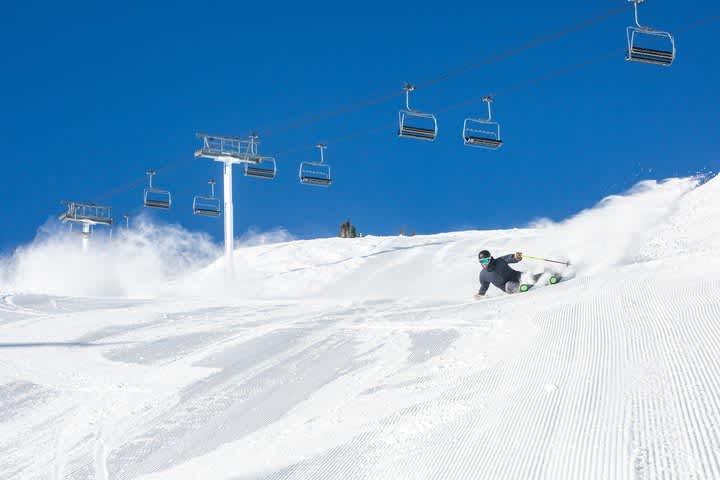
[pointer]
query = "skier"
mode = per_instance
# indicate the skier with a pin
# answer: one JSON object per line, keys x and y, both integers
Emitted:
{"x": 498, "y": 272}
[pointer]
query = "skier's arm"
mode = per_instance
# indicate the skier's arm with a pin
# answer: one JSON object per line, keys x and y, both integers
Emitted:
{"x": 483, "y": 287}
{"x": 513, "y": 257}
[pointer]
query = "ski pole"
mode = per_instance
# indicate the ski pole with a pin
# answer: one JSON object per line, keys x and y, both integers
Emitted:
{"x": 567, "y": 264}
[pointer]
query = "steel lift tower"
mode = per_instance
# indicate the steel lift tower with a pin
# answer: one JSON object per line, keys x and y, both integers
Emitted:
{"x": 228, "y": 151}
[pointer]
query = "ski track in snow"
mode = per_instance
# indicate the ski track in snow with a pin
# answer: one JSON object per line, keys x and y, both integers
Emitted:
{"x": 387, "y": 373}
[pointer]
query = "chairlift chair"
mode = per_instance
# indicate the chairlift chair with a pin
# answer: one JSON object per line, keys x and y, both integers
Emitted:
{"x": 155, "y": 197}
{"x": 260, "y": 166}
{"x": 207, "y": 206}
{"x": 415, "y": 124}
{"x": 649, "y": 40}
{"x": 481, "y": 132}
{"x": 316, "y": 173}
{"x": 265, "y": 169}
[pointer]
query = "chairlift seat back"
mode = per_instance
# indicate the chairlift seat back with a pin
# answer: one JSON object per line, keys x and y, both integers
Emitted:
{"x": 482, "y": 133}
{"x": 260, "y": 172}
{"x": 206, "y": 206}
{"x": 417, "y": 125}
{"x": 155, "y": 198}
{"x": 264, "y": 169}
{"x": 483, "y": 142}
{"x": 647, "y": 55}
{"x": 313, "y": 173}
{"x": 650, "y": 46}
{"x": 319, "y": 181}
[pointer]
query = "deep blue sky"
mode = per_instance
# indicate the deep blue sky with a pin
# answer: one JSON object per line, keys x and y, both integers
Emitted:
{"x": 94, "y": 94}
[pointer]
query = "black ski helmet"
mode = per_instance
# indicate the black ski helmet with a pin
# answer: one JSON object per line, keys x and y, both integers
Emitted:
{"x": 483, "y": 254}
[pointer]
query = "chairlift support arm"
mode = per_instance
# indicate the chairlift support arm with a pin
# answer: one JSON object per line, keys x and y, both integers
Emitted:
{"x": 321, "y": 147}
{"x": 253, "y": 143}
{"x": 150, "y": 174}
{"x": 488, "y": 99}
{"x": 637, "y": 22}
{"x": 408, "y": 88}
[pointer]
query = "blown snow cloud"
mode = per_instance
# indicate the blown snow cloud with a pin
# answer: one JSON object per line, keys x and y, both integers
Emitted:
{"x": 134, "y": 263}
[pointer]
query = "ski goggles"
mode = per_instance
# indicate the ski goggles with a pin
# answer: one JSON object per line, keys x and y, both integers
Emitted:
{"x": 484, "y": 261}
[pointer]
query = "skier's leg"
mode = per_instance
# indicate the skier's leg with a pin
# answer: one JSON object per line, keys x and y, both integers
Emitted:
{"x": 512, "y": 287}
{"x": 530, "y": 278}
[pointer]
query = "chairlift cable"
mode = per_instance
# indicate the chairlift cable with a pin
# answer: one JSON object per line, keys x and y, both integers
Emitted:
{"x": 520, "y": 86}
{"x": 528, "y": 46}
{"x": 451, "y": 74}
{"x": 141, "y": 180}
{"x": 513, "y": 88}
{"x": 540, "y": 78}
{"x": 382, "y": 98}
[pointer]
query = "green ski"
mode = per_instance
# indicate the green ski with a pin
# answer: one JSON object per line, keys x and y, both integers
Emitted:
{"x": 554, "y": 279}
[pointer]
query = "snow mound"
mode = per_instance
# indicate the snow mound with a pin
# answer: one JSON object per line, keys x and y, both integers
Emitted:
{"x": 444, "y": 266}
{"x": 691, "y": 228}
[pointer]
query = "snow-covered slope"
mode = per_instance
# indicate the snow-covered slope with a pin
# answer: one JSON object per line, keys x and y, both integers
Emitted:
{"x": 368, "y": 358}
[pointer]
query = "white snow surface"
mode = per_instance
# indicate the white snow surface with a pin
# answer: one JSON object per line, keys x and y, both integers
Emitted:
{"x": 368, "y": 358}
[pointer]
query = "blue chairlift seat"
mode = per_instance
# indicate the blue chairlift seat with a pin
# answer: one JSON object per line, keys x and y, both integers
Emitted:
{"x": 315, "y": 173}
{"x": 644, "y": 54}
{"x": 415, "y": 124}
{"x": 265, "y": 168}
{"x": 156, "y": 198}
{"x": 647, "y": 45}
{"x": 206, "y": 206}
{"x": 481, "y": 133}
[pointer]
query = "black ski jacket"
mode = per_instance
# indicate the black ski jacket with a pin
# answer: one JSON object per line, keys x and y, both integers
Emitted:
{"x": 498, "y": 272}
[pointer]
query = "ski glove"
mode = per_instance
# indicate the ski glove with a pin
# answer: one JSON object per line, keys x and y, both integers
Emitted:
{"x": 518, "y": 256}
